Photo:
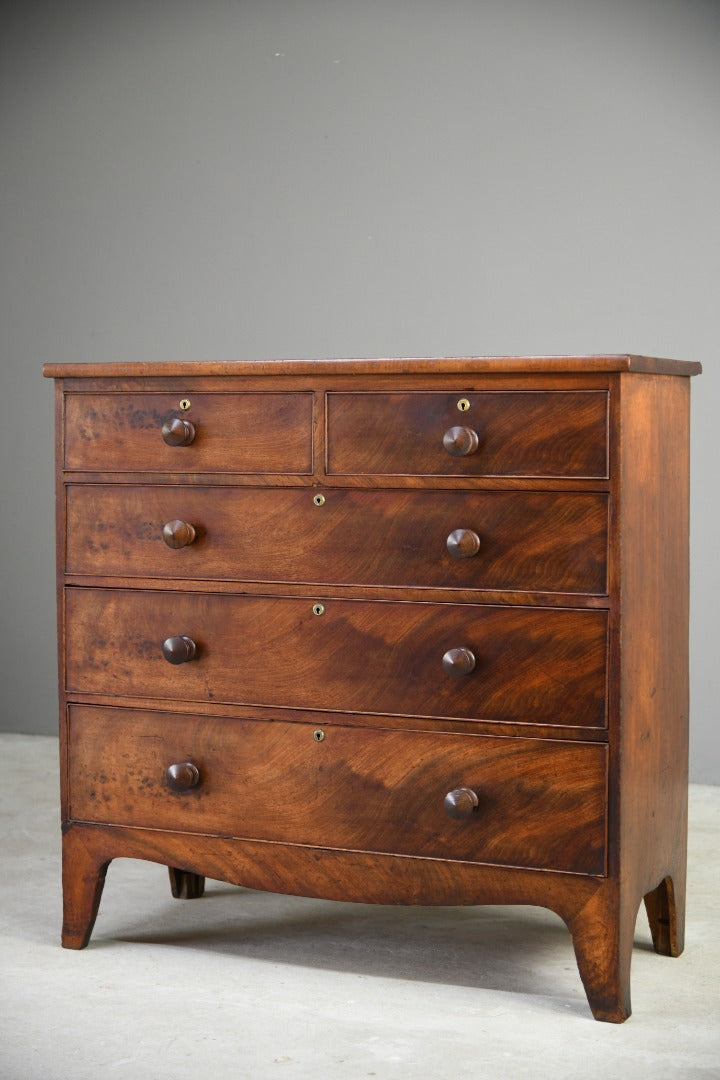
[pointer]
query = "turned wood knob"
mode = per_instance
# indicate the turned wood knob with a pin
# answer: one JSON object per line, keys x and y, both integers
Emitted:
{"x": 178, "y": 534}
{"x": 182, "y": 776}
{"x": 177, "y": 432}
{"x": 461, "y": 802}
{"x": 460, "y": 441}
{"x": 178, "y": 650}
{"x": 459, "y": 661}
{"x": 463, "y": 543}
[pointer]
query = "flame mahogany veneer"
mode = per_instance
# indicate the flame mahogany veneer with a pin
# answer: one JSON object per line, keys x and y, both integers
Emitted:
{"x": 391, "y": 631}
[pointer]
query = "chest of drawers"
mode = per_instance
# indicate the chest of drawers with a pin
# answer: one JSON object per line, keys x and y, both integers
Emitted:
{"x": 401, "y": 631}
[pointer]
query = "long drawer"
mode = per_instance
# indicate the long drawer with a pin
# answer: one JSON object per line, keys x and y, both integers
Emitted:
{"x": 234, "y": 433}
{"x": 550, "y": 541}
{"x": 540, "y": 433}
{"x": 535, "y": 665}
{"x": 539, "y": 803}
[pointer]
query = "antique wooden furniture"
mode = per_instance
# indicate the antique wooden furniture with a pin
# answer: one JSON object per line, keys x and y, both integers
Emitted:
{"x": 395, "y": 631}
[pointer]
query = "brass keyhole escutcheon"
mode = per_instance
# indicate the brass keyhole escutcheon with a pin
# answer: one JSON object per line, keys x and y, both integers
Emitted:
{"x": 185, "y": 404}
{"x": 318, "y": 609}
{"x": 318, "y": 735}
{"x": 319, "y": 500}
{"x": 463, "y": 404}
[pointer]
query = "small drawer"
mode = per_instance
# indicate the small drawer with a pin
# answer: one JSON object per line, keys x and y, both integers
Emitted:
{"x": 549, "y": 541}
{"x": 540, "y": 803}
{"x": 469, "y": 661}
{"x": 486, "y": 433}
{"x": 233, "y": 433}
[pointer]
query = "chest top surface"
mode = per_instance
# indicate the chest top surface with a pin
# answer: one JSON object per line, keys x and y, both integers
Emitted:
{"x": 500, "y": 365}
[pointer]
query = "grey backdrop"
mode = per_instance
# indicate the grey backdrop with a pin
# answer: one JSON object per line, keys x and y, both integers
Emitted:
{"x": 239, "y": 180}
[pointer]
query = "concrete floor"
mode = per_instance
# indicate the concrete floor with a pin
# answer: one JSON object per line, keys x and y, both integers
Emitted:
{"x": 249, "y": 985}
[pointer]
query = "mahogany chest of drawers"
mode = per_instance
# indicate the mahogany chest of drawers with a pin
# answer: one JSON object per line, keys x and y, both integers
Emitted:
{"x": 392, "y": 631}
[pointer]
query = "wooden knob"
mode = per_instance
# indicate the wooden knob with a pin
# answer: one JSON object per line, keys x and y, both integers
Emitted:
{"x": 460, "y": 441}
{"x": 462, "y": 543}
{"x": 177, "y": 432}
{"x": 459, "y": 661}
{"x": 178, "y": 534}
{"x": 178, "y": 650}
{"x": 182, "y": 776}
{"x": 461, "y": 802}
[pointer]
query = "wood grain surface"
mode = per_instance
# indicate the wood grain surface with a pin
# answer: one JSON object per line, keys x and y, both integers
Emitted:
{"x": 443, "y": 366}
{"x": 243, "y": 433}
{"x": 534, "y": 665}
{"x": 536, "y": 433}
{"x": 540, "y": 804}
{"x": 550, "y": 541}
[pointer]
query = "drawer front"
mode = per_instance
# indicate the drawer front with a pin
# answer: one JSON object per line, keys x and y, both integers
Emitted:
{"x": 531, "y": 664}
{"x": 525, "y": 540}
{"x": 541, "y": 803}
{"x": 513, "y": 433}
{"x": 234, "y": 433}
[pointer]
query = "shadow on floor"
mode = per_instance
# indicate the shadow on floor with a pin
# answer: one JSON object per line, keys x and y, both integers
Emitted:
{"x": 525, "y": 950}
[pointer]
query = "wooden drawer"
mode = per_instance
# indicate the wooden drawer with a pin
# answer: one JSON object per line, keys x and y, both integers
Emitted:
{"x": 519, "y": 433}
{"x": 532, "y": 664}
{"x": 548, "y": 541}
{"x": 540, "y": 802}
{"x": 234, "y": 433}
